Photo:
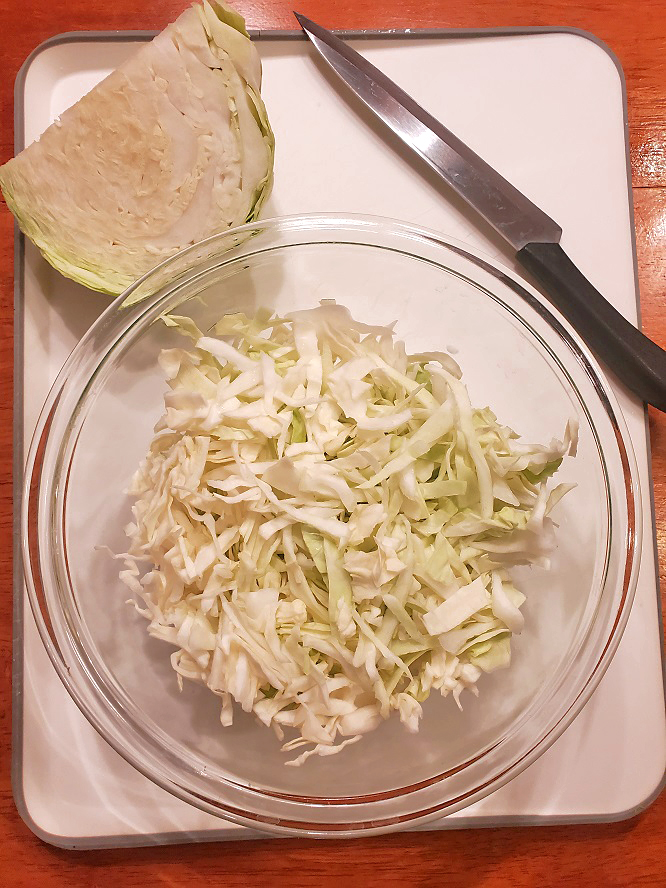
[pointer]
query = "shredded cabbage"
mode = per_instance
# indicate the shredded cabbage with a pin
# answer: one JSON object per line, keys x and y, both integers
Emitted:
{"x": 323, "y": 525}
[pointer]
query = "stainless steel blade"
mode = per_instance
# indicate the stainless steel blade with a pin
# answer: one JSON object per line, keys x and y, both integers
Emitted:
{"x": 512, "y": 214}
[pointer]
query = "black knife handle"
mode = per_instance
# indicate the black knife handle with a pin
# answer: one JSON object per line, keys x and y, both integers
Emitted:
{"x": 636, "y": 361}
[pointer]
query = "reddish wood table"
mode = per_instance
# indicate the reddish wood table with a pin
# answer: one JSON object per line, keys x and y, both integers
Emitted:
{"x": 631, "y": 853}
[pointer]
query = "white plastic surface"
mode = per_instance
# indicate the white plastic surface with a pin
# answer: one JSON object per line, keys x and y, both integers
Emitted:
{"x": 545, "y": 109}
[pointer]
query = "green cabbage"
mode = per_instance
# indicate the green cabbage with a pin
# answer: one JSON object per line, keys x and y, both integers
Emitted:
{"x": 324, "y": 526}
{"x": 172, "y": 147}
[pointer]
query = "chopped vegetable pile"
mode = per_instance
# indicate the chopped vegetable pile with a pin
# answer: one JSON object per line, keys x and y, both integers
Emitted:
{"x": 323, "y": 525}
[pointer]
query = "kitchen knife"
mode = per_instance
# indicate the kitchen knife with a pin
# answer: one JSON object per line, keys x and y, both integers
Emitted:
{"x": 637, "y": 361}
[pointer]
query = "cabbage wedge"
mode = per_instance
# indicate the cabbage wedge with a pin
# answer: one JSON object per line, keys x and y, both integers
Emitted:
{"x": 173, "y": 146}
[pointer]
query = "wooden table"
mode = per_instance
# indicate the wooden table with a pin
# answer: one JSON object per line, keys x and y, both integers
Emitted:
{"x": 631, "y": 853}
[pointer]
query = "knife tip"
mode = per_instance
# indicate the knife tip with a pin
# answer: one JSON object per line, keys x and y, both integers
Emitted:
{"x": 302, "y": 20}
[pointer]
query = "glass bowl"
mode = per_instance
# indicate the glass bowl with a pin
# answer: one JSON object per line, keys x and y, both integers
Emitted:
{"x": 516, "y": 356}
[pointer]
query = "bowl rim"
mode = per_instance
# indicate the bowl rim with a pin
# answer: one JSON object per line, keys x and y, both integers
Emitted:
{"x": 318, "y": 222}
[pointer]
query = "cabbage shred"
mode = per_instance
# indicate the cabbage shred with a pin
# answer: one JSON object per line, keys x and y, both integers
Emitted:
{"x": 324, "y": 526}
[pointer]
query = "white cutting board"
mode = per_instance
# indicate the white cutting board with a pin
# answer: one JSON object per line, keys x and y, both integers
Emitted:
{"x": 547, "y": 109}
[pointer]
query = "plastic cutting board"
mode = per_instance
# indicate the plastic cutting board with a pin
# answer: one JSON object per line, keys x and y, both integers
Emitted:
{"x": 548, "y": 109}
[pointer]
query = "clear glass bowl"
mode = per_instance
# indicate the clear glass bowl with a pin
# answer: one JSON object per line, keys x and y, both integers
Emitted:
{"x": 516, "y": 357}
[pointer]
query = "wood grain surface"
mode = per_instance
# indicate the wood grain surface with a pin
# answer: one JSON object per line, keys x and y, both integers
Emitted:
{"x": 632, "y": 853}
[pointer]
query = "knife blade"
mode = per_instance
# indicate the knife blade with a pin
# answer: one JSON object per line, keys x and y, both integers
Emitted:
{"x": 636, "y": 360}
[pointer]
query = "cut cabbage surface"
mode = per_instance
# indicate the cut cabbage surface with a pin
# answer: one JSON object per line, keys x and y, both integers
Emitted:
{"x": 324, "y": 526}
{"x": 174, "y": 146}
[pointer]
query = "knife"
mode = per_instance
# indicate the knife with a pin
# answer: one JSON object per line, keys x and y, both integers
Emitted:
{"x": 636, "y": 361}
